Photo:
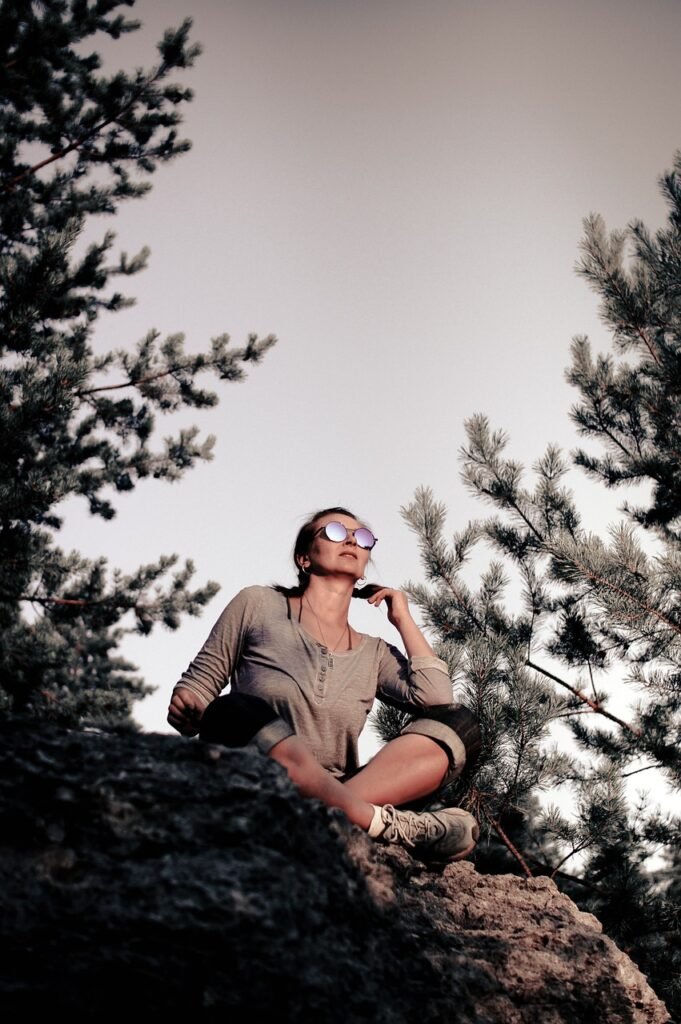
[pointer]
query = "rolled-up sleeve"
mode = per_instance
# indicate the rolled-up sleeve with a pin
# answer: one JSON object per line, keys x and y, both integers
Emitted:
{"x": 421, "y": 682}
{"x": 209, "y": 672}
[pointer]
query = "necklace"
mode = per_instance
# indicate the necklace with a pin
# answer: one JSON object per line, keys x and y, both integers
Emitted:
{"x": 326, "y": 644}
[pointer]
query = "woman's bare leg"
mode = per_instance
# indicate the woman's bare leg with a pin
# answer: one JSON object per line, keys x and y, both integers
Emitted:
{"x": 407, "y": 768}
{"x": 313, "y": 780}
{"x": 396, "y": 774}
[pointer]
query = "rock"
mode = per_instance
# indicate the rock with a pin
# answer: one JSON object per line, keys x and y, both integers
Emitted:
{"x": 148, "y": 873}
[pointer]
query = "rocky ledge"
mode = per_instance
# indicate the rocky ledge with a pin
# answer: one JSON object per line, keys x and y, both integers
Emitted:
{"x": 145, "y": 873}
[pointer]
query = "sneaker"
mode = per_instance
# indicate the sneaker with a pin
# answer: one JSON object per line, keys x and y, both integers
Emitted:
{"x": 446, "y": 835}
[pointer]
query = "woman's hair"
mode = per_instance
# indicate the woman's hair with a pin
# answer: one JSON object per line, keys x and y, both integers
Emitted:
{"x": 302, "y": 546}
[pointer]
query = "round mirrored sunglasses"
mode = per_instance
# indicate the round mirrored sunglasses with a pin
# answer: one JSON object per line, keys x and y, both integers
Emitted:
{"x": 338, "y": 533}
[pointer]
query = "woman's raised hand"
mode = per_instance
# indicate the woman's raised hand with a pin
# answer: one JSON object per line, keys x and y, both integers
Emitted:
{"x": 396, "y": 603}
{"x": 399, "y": 615}
{"x": 185, "y": 711}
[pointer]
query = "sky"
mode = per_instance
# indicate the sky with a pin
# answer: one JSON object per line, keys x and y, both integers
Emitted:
{"x": 396, "y": 190}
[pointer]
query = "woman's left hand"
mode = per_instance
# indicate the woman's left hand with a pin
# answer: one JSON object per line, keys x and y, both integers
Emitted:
{"x": 396, "y": 603}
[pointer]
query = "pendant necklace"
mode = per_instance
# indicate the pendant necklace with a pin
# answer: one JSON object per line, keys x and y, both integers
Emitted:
{"x": 328, "y": 647}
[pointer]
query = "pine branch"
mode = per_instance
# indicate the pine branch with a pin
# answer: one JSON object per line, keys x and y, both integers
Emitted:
{"x": 626, "y": 775}
{"x": 502, "y": 835}
{"x": 463, "y": 604}
{"x": 527, "y": 521}
{"x": 594, "y": 705}
{"x": 567, "y": 857}
{"x": 82, "y": 393}
{"x": 649, "y": 634}
{"x": 10, "y": 185}
{"x": 608, "y": 433}
{"x": 613, "y": 282}
{"x": 644, "y": 338}
{"x": 512, "y": 503}
{"x": 645, "y": 608}
{"x": 591, "y": 886}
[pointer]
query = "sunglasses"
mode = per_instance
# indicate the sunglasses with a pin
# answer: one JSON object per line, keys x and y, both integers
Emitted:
{"x": 338, "y": 533}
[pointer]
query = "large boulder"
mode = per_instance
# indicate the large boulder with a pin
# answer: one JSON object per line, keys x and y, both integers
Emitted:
{"x": 148, "y": 873}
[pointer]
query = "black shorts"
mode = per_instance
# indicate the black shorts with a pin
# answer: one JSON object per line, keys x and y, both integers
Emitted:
{"x": 240, "y": 719}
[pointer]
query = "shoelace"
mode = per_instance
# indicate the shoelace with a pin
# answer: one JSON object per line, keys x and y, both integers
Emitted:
{"x": 410, "y": 828}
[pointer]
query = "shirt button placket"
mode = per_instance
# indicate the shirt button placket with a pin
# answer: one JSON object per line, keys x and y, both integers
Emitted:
{"x": 321, "y": 677}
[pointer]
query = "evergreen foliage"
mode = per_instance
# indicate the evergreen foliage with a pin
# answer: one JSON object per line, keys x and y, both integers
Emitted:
{"x": 593, "y": 642}
{"x": 75, "y": 143}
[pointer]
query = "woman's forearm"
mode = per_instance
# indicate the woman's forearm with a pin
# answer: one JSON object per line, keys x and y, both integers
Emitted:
{"x": 415, "y": 643}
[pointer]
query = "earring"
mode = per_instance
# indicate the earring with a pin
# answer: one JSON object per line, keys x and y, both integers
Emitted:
{"x": 361, "y": 582}
{"x": 304, "y": 570}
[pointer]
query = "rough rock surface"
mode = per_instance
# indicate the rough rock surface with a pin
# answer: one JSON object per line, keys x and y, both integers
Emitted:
{"x": 147, "y": 873}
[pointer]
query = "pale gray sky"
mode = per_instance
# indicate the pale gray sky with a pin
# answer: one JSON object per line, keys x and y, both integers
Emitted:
{"x": 396, "y": 190}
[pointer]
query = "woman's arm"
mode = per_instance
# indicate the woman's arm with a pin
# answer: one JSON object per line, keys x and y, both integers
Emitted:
{"x": 209, "y": 672}
{"x": 185, "y": 711}
{"x": 399, "y": 615}
{"x": 421, "y": 679}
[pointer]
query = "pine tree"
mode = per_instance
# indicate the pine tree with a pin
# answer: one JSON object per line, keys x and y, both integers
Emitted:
{"x": 594, "y": 641}
{"x": 74, "y": 144}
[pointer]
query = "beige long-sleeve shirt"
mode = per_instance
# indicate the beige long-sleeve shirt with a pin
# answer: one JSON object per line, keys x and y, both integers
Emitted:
{"x": 259, "y": 648}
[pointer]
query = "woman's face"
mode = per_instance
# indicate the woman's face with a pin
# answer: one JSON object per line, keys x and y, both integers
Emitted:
{"x": 327, "y": 557}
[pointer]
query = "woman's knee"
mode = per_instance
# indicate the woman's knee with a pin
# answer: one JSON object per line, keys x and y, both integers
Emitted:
{"x": 467, "y": 727}
{"x": 455, "y": 729}
{"x": 427, "y": 753}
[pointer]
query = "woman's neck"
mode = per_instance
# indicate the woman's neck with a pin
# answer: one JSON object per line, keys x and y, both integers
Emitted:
{"x": 323, "y": 610}
{"x": 329, "y": 599}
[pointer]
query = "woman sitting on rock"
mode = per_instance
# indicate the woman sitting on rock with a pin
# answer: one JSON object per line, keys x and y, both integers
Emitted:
{"x": 302, "y": 682}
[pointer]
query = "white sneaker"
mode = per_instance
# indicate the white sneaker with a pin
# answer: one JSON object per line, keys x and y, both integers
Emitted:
{"x": 446, "y": 835}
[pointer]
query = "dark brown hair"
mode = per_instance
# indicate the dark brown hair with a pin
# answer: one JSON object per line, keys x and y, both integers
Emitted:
{"x": 302, "y": 546}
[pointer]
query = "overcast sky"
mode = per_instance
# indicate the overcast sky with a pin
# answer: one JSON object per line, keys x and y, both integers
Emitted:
{"x": 395, "y": 189}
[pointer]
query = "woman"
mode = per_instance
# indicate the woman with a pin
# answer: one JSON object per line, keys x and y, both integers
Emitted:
{"x": 303, "y": 681}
